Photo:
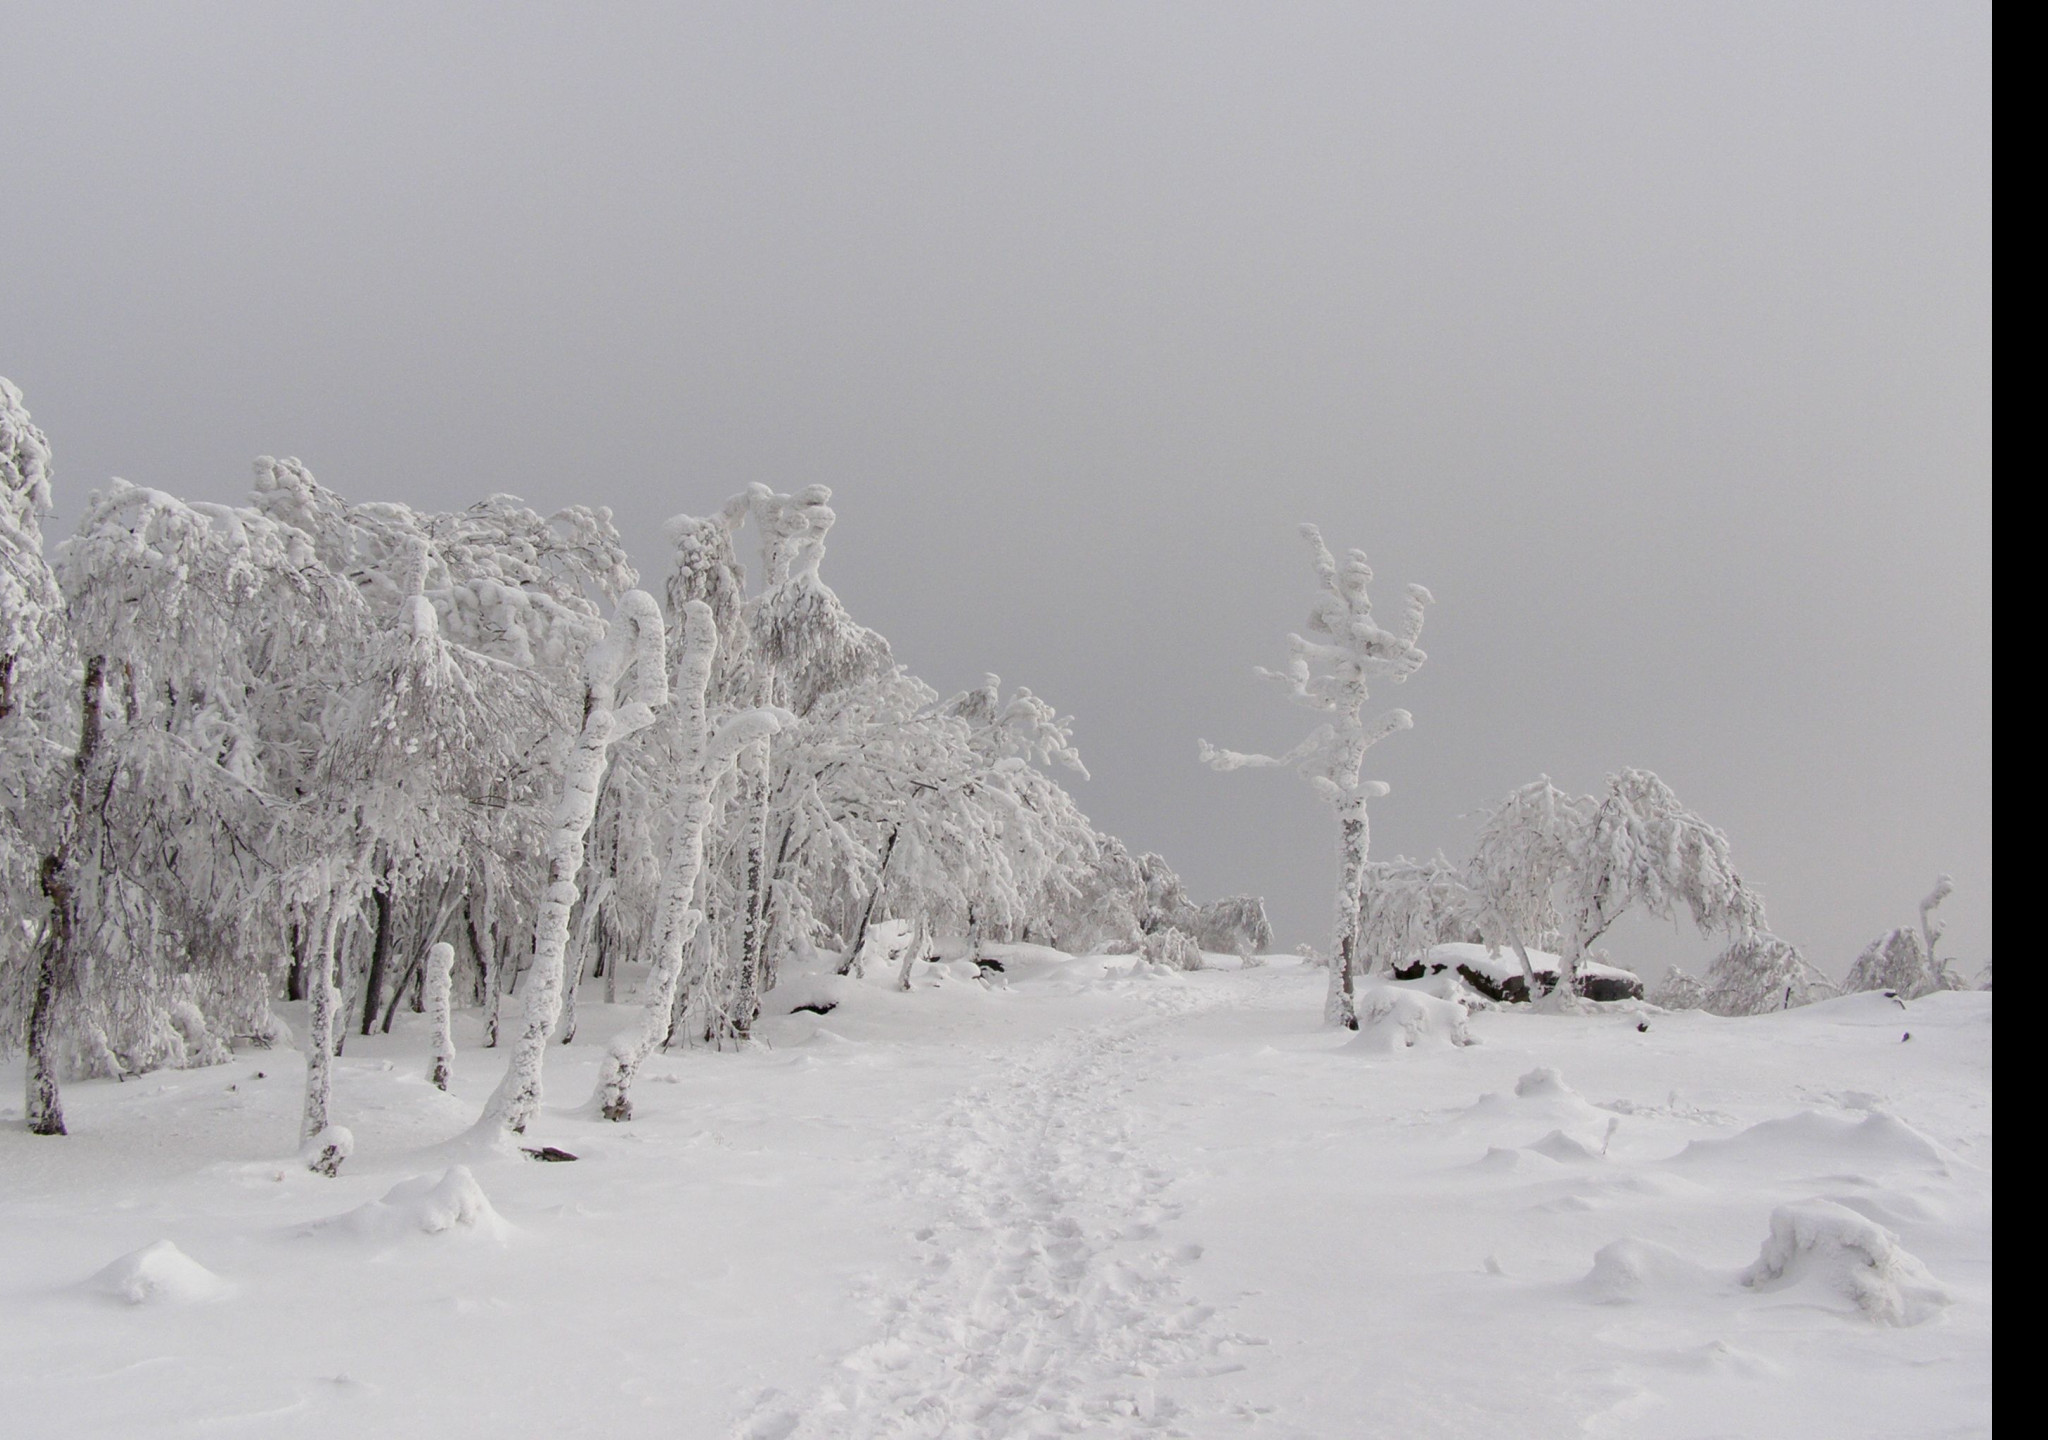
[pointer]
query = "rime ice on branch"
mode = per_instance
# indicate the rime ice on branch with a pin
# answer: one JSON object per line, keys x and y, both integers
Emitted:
{"x": 1332, "y": 674}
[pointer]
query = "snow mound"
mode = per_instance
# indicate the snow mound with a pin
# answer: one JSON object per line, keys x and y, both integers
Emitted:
{"x": 452, "y": 1204}
{"x": 1630, "y": 1270}
{"x": 1878, "y": 1141}
{"x": 1539, "y": 1095}
{"x": 1827, "y": 1249}
{"x": 1564, "y": 1149}
{"x": 159, "y": 1274}
{"x": 1544, "y": 1082}
{"x": 1392, "y": 1020}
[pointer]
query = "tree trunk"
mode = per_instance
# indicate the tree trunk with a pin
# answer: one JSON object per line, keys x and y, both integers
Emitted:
{"x": 450, "y": 898}
{"x": 573, "y": 979}
{"x": 517, "y": 1098}
{"x": 322, "y": 1005}
{"x": 1354, "y": 840}
{"x": 912, "y": 953}
{"x": 754, "y": 926}
{"x": 851, "y": 960}
{"x": 56, "y": 971}
{"x": 1528, "y": 970}
{"x": 440, "y": 975}
{"x": 380, "y": 952}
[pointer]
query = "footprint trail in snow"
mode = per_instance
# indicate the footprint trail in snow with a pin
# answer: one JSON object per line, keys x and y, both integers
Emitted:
{"x": 1044, "y": 1301}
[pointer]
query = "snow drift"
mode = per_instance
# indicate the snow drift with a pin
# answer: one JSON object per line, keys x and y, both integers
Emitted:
{"x": 1630, "y": 1270}
{"x": 1391, "y": 1020}
{"x": 159, "y": 1274}
{"x": 451, "y": 1205}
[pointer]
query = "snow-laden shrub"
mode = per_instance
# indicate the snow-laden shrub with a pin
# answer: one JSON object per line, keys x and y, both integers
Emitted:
{"x": 1760, "y": 973}
{"x": 1831, "y": 1251}
{"x": 1235, "y": 925}
{"x": 1679, "y": 990}
{"x": 1173, "y": 948}
{"x": 1904, "y": 960}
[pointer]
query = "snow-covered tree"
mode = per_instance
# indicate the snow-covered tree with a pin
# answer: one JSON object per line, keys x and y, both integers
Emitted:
{"x": 1410, "y": 907}
{"x": 1679, "y": 990}
{"x": 1523, "y": 853}
{"x": 703, "y": 756}
{"x": 1332, "y": 674}
{"x": 1547, "y": 864}
{"x": 631, "y": 644}
{"x": 1759, "y": 973}
{"x": 1643, "y": 849}
{"x": 34, "y": 645}
{"x": 167, "y": 887}
{"x": 1904, "y": 960}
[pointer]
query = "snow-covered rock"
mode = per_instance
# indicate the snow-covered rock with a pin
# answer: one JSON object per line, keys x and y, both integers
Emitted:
{"x": 1498, "y": 974}
{"x": 1828, "y": 1250}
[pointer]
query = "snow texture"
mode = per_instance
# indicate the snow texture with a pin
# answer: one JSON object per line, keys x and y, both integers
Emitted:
{"x": 159, "y": 1274}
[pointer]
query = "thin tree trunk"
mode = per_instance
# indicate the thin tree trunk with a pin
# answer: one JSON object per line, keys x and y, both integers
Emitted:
{"x": 322, "y": 1004}
{"x": 1528, "y": 970}
{"x": 754, "y": 928}
{"x": 56, "y": 958}
{"x": 1354, "y": 841}
{"x": 450, "y": 898}
{"x": 851, "y": 959}
{"x": 517, "y": 1098}
{"x": 380, "y": 952}
{"x": 573, "y": 976}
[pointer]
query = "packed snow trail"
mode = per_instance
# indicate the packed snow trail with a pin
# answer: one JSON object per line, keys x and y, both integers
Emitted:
{"x": 1041, "y": 1302}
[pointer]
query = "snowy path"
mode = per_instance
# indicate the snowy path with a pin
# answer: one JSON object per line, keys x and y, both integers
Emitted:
{"x": 1096, "y": 1203}
{"x": 1042, "y": 1301}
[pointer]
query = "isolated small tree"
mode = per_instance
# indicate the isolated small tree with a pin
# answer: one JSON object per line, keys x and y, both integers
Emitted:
{"x": 1760, "y": 973}
{"x": 633, "y": 643}
{"x": 1679, "y": 990}
{"x": 1332, "y": 674}
{"x": 1904, "y": 960}
{"x": 1547, "y": 863}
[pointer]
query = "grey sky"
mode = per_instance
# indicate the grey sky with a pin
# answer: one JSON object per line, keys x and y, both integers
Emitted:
{"x": 1655, "y": 339}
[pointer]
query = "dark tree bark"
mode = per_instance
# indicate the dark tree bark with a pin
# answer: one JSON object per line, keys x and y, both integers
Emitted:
{"x": 380, "y": 952}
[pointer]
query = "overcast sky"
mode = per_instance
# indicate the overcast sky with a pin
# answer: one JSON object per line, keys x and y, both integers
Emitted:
{"x": 1654, "y": 339}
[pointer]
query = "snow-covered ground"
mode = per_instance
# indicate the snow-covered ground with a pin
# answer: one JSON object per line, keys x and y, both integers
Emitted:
{"x": 1100, "y": 1202}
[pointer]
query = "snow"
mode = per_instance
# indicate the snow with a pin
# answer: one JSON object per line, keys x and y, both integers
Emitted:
{"x": 1392, "y": 1019}
{"x": 1827, "y": 1247}
{"x": 159, "y": 1274}
{"x": 1102, "y": 1198}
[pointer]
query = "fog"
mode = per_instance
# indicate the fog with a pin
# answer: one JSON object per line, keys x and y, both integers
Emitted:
{"x": 1655, "y": 340}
